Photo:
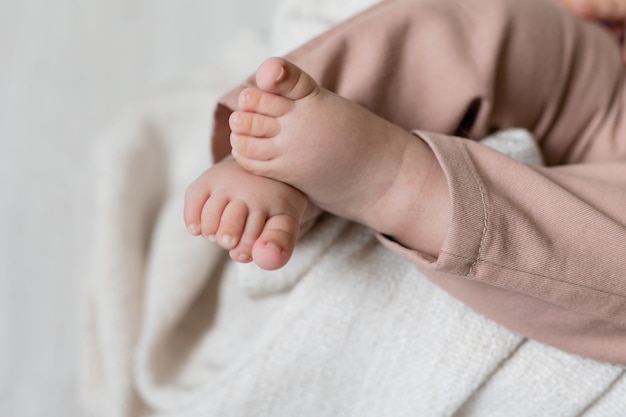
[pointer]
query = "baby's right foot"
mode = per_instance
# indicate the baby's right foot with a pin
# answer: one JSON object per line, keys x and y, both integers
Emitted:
{"x": 346, "y": 159}
{"x": 255, "y": 218}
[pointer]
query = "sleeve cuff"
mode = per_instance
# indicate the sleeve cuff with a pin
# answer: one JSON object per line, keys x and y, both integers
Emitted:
{"x": 469, "y": 211}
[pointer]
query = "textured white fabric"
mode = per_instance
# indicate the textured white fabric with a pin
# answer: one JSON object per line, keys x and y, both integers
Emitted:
{"x": 347, "y": 328}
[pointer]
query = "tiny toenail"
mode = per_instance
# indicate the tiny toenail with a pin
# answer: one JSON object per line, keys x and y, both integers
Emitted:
{"x": 244, "y": 257}
{"x": 244, "y": 97}
{"x": 210, "y": 238}
{"x": 281, "y": 75}
{"x": 194, "y": 229}
{"x": 233, "y": 139}
{"x": 228, "y": 240}
{"x": 274, "y": 245}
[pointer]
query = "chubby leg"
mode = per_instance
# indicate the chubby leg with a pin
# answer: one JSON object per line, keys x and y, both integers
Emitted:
{"x": 256, "y": 219}
{"x": 345, "y": 158}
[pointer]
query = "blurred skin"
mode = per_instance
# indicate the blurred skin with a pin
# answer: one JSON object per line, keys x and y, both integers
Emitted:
{"x": 611, "y": 13}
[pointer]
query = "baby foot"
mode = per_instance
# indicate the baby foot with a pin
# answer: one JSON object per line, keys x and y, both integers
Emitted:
{"x": 255, "y": 218}
{"x": 346, "y": 159}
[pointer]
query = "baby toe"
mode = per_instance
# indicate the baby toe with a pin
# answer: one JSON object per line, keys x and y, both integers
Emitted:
{"x": 261, "y": 102}
{"x": 211, "y": 215}
{"x": 253, "y": 148}
{"x": 281, "y": 77}
{"x": 253, "y": 124}
{"x": 232, "y": 224}
{"x": 196, "y": 197}
{"x": 275, "y": 246}
{"x": 254, "y": 225}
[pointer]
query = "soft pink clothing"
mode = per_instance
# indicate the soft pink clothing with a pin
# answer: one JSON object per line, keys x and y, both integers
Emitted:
{"x": 541, "y": 250}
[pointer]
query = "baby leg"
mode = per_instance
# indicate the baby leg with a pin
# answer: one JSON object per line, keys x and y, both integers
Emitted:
{"x": 255, "y": 218}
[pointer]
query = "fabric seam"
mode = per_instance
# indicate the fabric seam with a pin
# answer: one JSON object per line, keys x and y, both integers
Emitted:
{"x": 470, "y": 166}
{"x": 533, "y": 274}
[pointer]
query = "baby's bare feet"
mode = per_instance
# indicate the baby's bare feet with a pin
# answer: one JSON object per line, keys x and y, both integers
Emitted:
{"x": 255, "y": 218}
{"x": 347, "y": 160}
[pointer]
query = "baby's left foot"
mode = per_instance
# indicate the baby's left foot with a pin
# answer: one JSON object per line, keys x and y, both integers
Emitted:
{"x": 254, "y": 218}
{"x": 346, "y": 159}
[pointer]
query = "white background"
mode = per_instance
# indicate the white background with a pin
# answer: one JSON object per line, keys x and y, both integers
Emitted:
{"x": 67, "y": 69}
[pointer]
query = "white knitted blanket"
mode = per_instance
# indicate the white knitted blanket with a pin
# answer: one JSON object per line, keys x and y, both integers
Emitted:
{"x": 347, "y": 328}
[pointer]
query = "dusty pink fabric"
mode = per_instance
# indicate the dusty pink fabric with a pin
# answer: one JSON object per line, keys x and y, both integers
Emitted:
{"x": 541, "y": 250}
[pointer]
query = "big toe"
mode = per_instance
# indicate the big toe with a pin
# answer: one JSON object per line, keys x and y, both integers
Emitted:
{"x": 275, "y": 246}
{"x": 279, "y": 76}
